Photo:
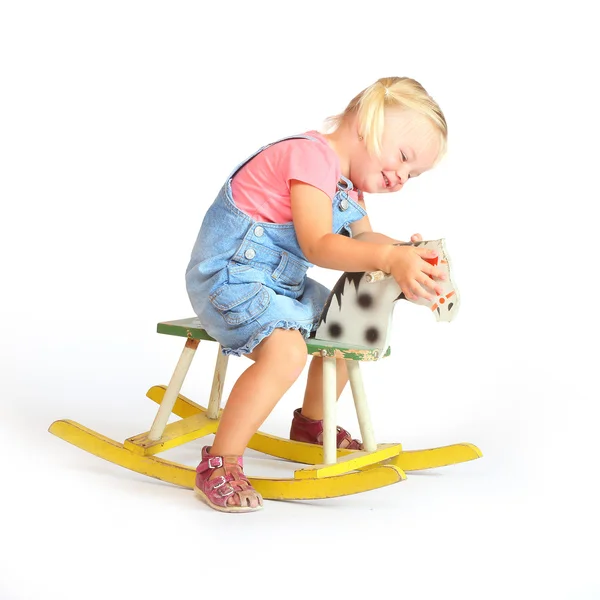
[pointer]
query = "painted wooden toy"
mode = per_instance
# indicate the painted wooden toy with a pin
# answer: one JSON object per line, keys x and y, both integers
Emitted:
{"x": 360, "y": 307}
{"x": 355, "y": 325}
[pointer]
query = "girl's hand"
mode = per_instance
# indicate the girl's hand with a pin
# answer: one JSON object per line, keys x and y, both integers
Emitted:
{"x": 416, "y": 237}
{"x": 413, "y": 274}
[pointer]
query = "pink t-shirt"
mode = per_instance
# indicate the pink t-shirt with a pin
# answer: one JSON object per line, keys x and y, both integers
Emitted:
{"x": 261, "y": 188}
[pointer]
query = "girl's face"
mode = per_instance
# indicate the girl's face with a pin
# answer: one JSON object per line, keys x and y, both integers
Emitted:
{"x": 410, "y": 146}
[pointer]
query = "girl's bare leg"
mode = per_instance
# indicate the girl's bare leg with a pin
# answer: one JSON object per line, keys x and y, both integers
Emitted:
{"x": 278, "y": 362}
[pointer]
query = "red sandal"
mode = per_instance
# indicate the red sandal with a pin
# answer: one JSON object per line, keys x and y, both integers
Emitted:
{"x": 311, "y": 431}
{"x": 217, "y": 491}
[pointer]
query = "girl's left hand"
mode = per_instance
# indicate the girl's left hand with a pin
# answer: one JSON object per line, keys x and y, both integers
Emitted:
{"x": 416, "y": 237}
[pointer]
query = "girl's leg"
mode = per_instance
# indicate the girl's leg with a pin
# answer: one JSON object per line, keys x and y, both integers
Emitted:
{"x": 278, "y": 362}
{"x": 307, "y": 424}
{"x": 313, "y": 397}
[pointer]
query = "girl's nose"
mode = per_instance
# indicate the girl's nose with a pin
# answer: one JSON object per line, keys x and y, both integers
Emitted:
{"x": 403, "y": 174}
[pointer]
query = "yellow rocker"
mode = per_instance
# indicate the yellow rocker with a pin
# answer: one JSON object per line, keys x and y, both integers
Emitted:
{"x": 356, "y": 330}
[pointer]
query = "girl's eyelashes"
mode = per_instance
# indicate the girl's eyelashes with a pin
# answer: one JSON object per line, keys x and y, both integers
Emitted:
{"x": 404, "y": 159}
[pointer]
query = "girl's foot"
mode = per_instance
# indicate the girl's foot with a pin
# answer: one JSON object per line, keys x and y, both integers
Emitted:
{"x": 311, "y": 431}
{"x": 221, "y": 483}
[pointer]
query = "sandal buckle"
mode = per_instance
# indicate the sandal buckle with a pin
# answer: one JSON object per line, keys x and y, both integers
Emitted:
{"x": 221, "y": 481}
{"x": 217, "y": 464}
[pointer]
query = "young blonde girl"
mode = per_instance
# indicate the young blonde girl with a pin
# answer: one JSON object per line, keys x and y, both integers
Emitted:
{"x": 296, "y": 203}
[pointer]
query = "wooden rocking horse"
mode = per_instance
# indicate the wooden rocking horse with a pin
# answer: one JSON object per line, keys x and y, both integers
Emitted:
{"x": 355, "y": 325}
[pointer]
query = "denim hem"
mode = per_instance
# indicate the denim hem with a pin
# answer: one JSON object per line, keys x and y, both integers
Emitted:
{"x": 266, "y": 331}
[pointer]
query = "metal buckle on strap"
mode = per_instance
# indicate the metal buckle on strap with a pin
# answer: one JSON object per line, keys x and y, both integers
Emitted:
{"x": 219, "y": 463}
{"x": 221, "y": 481}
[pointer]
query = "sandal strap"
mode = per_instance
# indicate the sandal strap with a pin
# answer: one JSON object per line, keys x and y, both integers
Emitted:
{"x": 216, "y": 462}
{"x": 233, "y": 480}
{"x": 308, "y": 430}
{"x": 228, "y": 484}
{"x": 344, "y": 440}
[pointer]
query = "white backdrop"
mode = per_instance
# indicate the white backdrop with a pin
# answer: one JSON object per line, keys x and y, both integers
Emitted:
{"x": 119, "y": 122}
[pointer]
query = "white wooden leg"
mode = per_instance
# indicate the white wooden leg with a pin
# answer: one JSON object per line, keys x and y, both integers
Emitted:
{"x": 216, "y": 392}
{"x": 329, "y": 410}
{"x": 173, "y": 389}
{"x": 362, "y": 408}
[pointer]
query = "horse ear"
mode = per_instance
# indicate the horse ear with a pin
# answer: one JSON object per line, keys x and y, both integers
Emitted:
{"x": 359, "y": 309}
{"x": 445, "y": 306}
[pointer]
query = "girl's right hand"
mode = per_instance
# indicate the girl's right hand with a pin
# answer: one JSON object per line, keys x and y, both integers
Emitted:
{"x": 413, "y": 273}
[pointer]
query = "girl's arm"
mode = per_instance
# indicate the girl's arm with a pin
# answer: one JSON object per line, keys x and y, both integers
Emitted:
{"x": 375, "y": 238}
{"x": 311, "y": 213}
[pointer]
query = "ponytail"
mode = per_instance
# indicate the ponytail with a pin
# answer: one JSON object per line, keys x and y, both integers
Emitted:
{"x": 369, "y": 107}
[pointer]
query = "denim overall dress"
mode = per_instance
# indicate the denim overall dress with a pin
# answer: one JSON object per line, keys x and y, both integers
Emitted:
{"x": 246, "y": 278}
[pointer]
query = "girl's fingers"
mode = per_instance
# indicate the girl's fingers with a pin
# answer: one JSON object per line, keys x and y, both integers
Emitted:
{"x": 416, "y": 291}
{"x": 407, "y": 291}
{"x": 435, "y": 273}
{"x": 426, "y": 253}
{"x": 430, "y": 284}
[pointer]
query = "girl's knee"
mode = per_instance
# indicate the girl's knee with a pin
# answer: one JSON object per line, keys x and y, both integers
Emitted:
{"x": 286, "y": 350}
{"x": 298, "y": 355}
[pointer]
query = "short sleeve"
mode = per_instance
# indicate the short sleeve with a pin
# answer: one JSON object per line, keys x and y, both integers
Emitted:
{"x": 311, "y": 162}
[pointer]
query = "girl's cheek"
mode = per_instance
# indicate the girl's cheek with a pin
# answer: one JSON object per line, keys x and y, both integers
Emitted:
{"x": 390, "y": 163}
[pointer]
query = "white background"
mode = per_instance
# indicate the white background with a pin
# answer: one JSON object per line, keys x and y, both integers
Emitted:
{"x": 120, "y": 120}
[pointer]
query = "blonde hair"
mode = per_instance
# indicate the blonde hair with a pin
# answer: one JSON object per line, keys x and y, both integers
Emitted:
{"x": 369, "y": 108}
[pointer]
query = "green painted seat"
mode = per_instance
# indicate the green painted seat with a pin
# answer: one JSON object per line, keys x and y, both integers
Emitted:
{"x": 191, "y": 328}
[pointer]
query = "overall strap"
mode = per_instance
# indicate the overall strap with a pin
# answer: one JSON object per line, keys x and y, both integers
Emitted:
{"x": 290, "y": 137}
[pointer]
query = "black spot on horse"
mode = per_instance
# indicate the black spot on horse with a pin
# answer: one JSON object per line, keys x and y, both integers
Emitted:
{"x": 365, "y": 300}
{"x": 450, "y": 305}
{"x": 335, "y": 330}
{"x": 372, "y": 335}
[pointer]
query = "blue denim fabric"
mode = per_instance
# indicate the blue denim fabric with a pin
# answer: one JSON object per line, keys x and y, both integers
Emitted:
{"x": 246, "y": 278}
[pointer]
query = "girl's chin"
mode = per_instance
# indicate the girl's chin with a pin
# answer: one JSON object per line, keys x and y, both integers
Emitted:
{"x": 368, "y": 185}
{"x": 372, "y": 189}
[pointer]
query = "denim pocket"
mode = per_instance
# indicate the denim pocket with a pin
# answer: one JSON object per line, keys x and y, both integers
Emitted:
{"x": 240, "y": 302}
{"x": 289, "y": 273}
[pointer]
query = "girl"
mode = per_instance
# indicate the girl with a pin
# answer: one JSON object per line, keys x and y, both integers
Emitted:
{"x": 295, "y": 203}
